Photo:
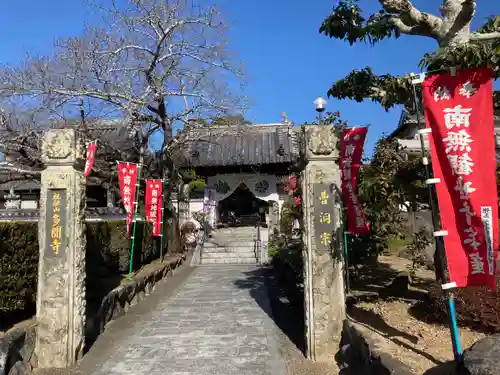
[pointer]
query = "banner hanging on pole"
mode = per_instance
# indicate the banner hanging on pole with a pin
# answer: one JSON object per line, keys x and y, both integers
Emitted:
{"x": 89, "y": 163}
{"x": 127, "y": 179}
{"x": 351, "y": 151}
{"x": 154, "y": 203}
{"x": 459, "y": 110}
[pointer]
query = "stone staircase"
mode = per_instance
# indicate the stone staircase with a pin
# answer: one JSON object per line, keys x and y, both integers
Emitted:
{"x": 230, "y": 246}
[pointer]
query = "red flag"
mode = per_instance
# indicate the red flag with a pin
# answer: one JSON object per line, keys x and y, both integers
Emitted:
{"x": 89, "y": 164}
{"x": 351, "y": 151}
{"x": 459, "y": 110}
{"x": 154, "y": 203}
{"x": 127, "y": 179}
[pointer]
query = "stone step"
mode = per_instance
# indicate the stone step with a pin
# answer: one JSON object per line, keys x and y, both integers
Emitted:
{"x": 228, "y": 255}
{"x": 229, "y": 244}
{"x": 231, "y": 253}
{"x": 228, "y": 249}
{"x": 228, "y": 261}
{"x": 234, "y": 236}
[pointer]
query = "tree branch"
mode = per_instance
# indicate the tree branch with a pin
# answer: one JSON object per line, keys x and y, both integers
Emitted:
{"x": 404, "y": 28}
{"x": 412, "y": 21}
{"x": 485, "y": 37}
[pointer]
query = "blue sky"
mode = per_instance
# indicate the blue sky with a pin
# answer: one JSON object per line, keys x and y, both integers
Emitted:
{"x": 288, "y": 62}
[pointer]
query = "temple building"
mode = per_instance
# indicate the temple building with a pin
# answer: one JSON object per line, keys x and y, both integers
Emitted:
{"x": 407, "y": 135}
{"x": 20, "y": 192}
{"x": 244, "y": 167}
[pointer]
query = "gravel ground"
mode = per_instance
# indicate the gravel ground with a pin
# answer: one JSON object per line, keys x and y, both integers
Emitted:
{"x": 419, "y": 345}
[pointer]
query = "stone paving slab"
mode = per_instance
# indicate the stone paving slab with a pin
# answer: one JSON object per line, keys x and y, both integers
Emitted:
{"x": 218, "y": 322}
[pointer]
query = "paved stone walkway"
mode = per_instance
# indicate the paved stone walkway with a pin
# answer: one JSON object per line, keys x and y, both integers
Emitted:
{"x": 218, "y": 322}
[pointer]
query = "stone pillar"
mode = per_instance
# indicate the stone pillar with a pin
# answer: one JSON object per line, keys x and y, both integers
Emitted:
{"x": 323, "y": 265}
{"x": 274, "y": 219}
{"x": 184, "y": 203}
{"x": 110, "y": 196}
{"x": 61, "y": 270}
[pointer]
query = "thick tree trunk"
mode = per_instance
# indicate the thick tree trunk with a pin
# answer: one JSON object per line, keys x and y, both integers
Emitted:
{"x": 171, "y": 232}
{"x": 456, "y": 22}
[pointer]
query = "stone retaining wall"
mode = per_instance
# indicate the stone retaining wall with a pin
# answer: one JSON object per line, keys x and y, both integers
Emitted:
{"x": 358, "y": 354}
{"x": 17, "y": 348}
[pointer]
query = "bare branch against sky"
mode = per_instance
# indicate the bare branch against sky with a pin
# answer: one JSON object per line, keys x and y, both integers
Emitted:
{"x": 154, "y": 63}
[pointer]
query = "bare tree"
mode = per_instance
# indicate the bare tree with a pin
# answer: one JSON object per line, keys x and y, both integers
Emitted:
{"x": 156, "y": 64}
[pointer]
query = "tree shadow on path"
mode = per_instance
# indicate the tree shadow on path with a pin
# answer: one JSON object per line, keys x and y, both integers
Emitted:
{"x": 264, "y": 288}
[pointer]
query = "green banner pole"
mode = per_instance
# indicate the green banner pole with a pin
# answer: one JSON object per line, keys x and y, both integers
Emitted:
{"x": 346, "y": 262}
{"x": 137, "y": 183}
{"x": 162, "y": 234}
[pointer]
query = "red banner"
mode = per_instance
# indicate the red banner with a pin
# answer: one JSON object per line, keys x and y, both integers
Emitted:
{"x": 127, "y": 179}
{"x": 89, "y": 164}
{"x": 154, "y": 203}
{"x": 459, "y": 110}
{"x": 351, "y": 151}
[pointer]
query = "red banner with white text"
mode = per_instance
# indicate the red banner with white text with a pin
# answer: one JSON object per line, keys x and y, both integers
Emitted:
{"x": 154, "y": 203}
{"x": 89, "y": 164}
{"x": 351, "y": 151}
{"x": 459, "y": 110}
{"x": 127, "y": 179}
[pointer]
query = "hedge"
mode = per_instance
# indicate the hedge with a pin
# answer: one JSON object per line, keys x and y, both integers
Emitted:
{"x": 107, "y": 261}
{"x": 18, "y": 270}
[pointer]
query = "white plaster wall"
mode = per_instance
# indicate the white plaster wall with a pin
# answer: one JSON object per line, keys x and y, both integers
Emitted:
{"x": 233, "y": 180}
{"x": 195, "y": 205}
{"x": 29, "y": 204}
{"x": 250, "y": 180}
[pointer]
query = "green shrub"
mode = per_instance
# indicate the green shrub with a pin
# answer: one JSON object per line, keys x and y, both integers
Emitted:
{"x": 107, "y": 260}
{"x": 272, "y": 247}
{"x": 18, "y": 270}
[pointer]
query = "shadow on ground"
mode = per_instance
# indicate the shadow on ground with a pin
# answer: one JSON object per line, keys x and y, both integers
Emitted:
{"x": 264, "y": 287}
{"x": 376, "y": 323}
{"x": 381, "y": 281}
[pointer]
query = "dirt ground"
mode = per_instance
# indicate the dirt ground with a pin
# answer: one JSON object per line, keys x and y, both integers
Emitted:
{"x": 424, "y": 348}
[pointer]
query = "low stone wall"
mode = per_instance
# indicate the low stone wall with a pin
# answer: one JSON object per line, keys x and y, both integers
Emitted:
{"x": 119, "y": 300}
{"x": 17, "y": 348}
{"x": 358, "y": 354}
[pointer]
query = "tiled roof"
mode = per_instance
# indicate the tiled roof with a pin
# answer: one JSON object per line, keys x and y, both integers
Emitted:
{"x": 22, "y": 185}
{"x": 113, "y": 131}
{"x": 239, "y": 145}
{"x": 408, "y": 125}
{"x": 110, "y": 131}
